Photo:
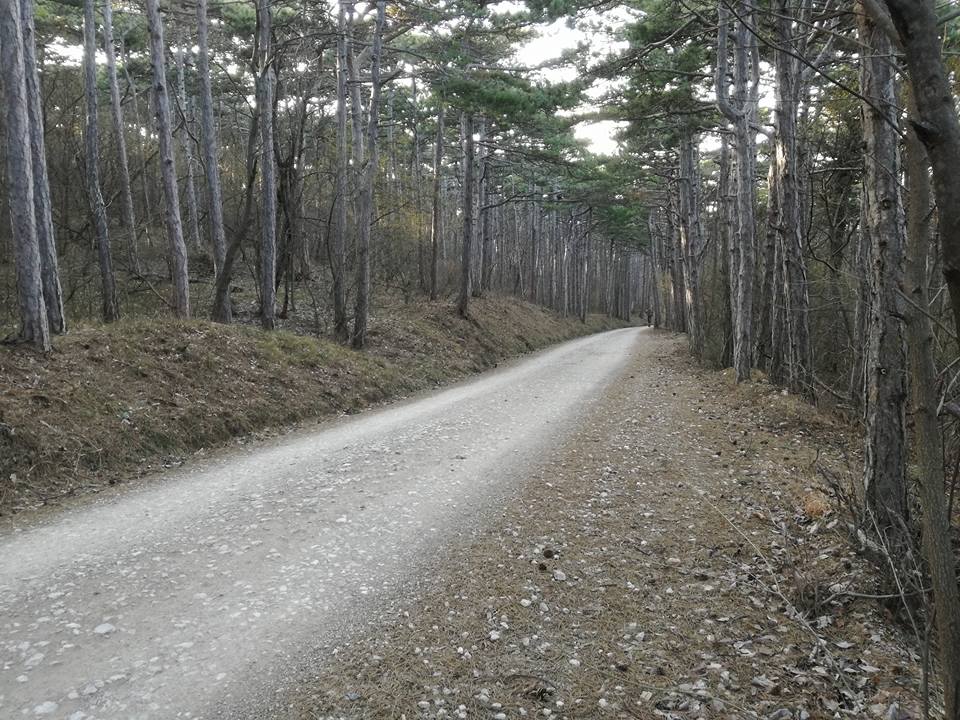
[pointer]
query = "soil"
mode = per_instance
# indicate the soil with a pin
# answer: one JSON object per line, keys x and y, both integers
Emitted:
{"x": 681, "y": 557}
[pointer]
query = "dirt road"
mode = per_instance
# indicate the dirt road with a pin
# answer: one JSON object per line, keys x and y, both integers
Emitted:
{"x": 206, "y": 593}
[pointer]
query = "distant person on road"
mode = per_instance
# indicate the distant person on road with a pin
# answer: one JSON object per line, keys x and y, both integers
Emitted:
{"x": 649, "y": 317}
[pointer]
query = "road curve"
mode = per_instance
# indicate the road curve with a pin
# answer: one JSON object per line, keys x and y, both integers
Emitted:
{"x": 198, "y": 595}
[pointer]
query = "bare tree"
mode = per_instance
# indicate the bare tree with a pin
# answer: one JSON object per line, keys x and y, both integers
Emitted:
{"x": 468, "y": 183}
{"x": 34, "y": 327}
{"x": 127, "y": 214}
{"x": 168, "y": 169}
{"x": 98, "y": 211}
{"x": 338, "y": 252}
{"x": 49, "y": 265}
{"x": 268, "y": 184}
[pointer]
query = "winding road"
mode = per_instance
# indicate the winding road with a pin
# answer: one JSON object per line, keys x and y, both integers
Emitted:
{"x": 202, "y": 593}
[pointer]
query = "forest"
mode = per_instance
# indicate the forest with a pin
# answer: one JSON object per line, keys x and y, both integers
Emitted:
{"x": 785, "y": 192}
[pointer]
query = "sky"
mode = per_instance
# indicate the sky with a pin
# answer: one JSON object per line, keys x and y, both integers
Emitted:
{"x": 551, "y": 42}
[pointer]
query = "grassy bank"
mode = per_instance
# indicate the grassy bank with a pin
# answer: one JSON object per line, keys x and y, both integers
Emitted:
{"x": 113, "y": 402}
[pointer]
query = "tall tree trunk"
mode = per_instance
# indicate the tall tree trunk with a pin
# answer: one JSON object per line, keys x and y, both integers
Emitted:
{"x": 937, "y": 533}
{"x": 186, "y": 143}
{"x": 468, "y": 182}
{"x": 268, "y": 181}
{"x": 741, "y": 110}
{"x": 34, "y": 327}
{"x": 885, "y": 365}
{"x": 691, "y": 240}
{"x": 210, "y": 145}
{"x": 168, "y": 167}
{"x": 49, "y": 265}
{"x": 338, "y": 253}
{"x": 127, "y": 214}
{"x": 361, "y": 310}
{"x": 789, "y": 222}
{"x": 98, "y": 211}
{"x": 141, "y": 147}
{"x": 222, "y": 306}
{"x": 436, "y": 228}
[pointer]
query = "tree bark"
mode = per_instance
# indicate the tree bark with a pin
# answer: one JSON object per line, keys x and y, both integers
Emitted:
{"x": 268, "y": 181}
{"x": 468, "y": 182}
{"x": 190, "y": 189}
{"x": 885, "y": 365}
{"x": 34, "y": 327}
{"x": 127, "y": 214}
{"x": 691, "y": 240}
{"x": 98, "y": 211}
{"x": 362, "y": 307}
{"x": 168, "y": 168}
{"x": 436, "y": 228}
{"x": 338, "y": 252}
{"x": 210, "y": 145}
{"x": 928, "y": 442}
{"x": 49, "y": 264}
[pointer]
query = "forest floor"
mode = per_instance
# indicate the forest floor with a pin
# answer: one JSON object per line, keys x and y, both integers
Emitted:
{"x": 115, "y": 402}
{"x": 681, "y": 557}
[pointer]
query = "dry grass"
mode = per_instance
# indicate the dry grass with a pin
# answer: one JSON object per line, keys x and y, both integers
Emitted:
{"x": 138, "y": 395}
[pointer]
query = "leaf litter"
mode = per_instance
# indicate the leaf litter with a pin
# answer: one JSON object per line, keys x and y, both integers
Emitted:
{"x": 677, "y": 558}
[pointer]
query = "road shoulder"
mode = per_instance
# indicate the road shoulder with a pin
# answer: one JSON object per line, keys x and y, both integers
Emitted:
{"x": 677, "y": 558}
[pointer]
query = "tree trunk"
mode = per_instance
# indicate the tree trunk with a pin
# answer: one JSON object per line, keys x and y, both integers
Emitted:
{"x": 98, "y": 211}
{"x": 468, "y": 182}
{"x": 338, "y": 253}
{"x": 268, "y": 180}
{"x": 436, "y": 228}
{"x": 168, "y": 167}
{"x": 691, "y": 240}
{"x": 210, "y": 145}
{"x": 885, "y": 365}
{"x": 928, "y": 442}
{"x": 362, "y": 307}
{"x": 49, "y": 265}
{"x": 186, "y": 143}
{"x": 127, "y": 215}
{"x": 34, "y": 327}
{"x": 741, "y": 110}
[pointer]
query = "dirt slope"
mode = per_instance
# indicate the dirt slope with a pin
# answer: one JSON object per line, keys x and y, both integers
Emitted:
{"x": 137, "y": 396}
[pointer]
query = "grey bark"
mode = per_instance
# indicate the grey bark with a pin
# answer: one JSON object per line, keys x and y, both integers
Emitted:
{"x": 127, "y": 215}
{"x": 468, "y": 183}
{"x": 168, "y": 168}
{"x": 436, "y": 228}
{"x": 362, "y": 307}
{"x": 935, "y": 522}
{"x": 338, "y": 252}
{"x": 43, "y": 203}
{"x": 741, "y": 110}
{"x": 885, "y": 364}
{"x": 268, "y": 182}
{"x": 186, "y": 143}
{"x": 210, "y": 142}
{"x": 34, "y": 327}
{"x": 691, "y": 240}
{"x": 98, "y": 211}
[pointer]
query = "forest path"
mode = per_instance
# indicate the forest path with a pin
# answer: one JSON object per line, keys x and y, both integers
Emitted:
{"x": 202, "y": 594}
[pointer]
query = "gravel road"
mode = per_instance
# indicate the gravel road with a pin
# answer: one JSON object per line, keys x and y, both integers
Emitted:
{"x": 199, "y": 595}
